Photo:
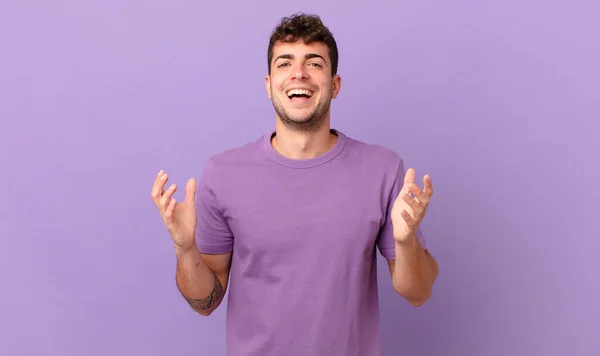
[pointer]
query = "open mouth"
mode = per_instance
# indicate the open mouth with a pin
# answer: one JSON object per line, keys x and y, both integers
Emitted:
{"x": 299, "y": 95}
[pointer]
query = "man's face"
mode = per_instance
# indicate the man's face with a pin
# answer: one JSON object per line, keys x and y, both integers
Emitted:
{"x": 301, "y": 84}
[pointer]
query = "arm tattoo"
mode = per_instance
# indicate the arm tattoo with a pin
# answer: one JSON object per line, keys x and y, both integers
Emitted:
{"x": 211, "y": 300}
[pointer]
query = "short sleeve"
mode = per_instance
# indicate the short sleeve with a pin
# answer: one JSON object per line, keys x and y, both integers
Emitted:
{"x": 213, "y": 235}
{"x": 385, "y": 241}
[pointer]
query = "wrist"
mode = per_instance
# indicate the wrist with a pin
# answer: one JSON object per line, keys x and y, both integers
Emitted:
{"x": 409, "y": 241}
{"x": 185, "y": 251}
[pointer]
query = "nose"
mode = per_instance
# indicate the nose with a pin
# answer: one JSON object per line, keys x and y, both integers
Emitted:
{"x": 300, "y": 72}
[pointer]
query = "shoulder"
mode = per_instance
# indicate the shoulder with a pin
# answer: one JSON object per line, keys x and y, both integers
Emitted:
{"x": 233, "y": 158}
{"x": 380, "y": 166}
{"x": 228, "y": 167}
{"x": 374, "y": 155}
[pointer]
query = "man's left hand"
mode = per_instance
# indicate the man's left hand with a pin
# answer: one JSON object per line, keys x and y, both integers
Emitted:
{"x": 410, "y": 207}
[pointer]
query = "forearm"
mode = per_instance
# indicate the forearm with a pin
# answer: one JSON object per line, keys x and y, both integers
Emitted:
{"x": 197, "y": 283}
{"x": 414, "y": 272}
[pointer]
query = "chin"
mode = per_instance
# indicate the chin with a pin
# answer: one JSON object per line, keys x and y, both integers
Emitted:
{"x": 299, "y": 115}
{"x": 309, "y": 118}
{"x": 303, "y": 124}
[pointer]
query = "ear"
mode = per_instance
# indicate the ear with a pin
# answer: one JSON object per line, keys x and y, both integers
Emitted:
{"x": 336, "y": 86}
{"x": 268, "y": 85}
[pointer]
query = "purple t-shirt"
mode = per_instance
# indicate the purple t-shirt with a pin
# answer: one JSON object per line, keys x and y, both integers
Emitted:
{"x": 303, "y": 233}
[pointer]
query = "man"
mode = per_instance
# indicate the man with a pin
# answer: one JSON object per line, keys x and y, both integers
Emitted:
{"x": 292, "y": 220}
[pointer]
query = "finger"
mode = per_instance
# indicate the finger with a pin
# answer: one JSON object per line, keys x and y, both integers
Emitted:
{"x": 169, "y": 213}
{"x": 413, "y": 203}
{"x": 418, "y": 194}
{"x": 410, "y": 221}
{"x": 409, "y": 177}
{"x": 190, "y": 192}
{"x": 428, "y": 185}
{"x": 157, "y": 188}
{"x": 155, "y": 191}
{"x": 424, "y": 196}
{"x": 166, "y": 198}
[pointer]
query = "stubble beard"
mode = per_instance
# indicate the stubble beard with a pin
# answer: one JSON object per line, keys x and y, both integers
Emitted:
{"x": 309, "y": 123}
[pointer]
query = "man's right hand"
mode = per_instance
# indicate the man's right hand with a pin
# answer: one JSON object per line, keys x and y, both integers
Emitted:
{"x": 179, "y": 217}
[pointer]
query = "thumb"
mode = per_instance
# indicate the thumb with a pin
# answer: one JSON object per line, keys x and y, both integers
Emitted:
{"x": 409, "y": 178}
{"x": 190, "y": 191}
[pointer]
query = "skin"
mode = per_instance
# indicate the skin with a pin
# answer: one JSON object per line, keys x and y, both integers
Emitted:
{"x": 201, "y": 279}
{"x": 302, "y": 132}
{"x": 414, "y": 270}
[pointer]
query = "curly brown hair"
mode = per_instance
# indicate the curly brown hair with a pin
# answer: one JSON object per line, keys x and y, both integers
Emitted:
{"x": 305, "y": 28}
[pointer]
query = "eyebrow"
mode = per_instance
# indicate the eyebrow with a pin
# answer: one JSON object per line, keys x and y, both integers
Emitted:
{"x": 307, "y": 56}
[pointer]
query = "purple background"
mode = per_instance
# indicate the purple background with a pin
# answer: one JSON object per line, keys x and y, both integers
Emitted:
{"x": 498, "y": 101}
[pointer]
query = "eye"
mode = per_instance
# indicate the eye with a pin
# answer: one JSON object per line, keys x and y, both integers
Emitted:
{"x": 282, "y": 65}
{"x": 315, "y": 64}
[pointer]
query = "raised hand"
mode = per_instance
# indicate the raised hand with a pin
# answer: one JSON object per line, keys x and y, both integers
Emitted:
{"x": 179, "y": 217}
{"x": 410, "y": 206}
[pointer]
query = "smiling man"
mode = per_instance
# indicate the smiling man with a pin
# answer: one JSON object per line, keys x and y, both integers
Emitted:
{"x": 290, "y": 223}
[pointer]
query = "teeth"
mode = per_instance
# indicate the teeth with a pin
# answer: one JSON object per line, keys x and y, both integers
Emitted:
{"x": 299, "y": 92}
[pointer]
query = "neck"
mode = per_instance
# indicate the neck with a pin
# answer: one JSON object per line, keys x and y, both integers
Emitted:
{"x": 303, "y": 145}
